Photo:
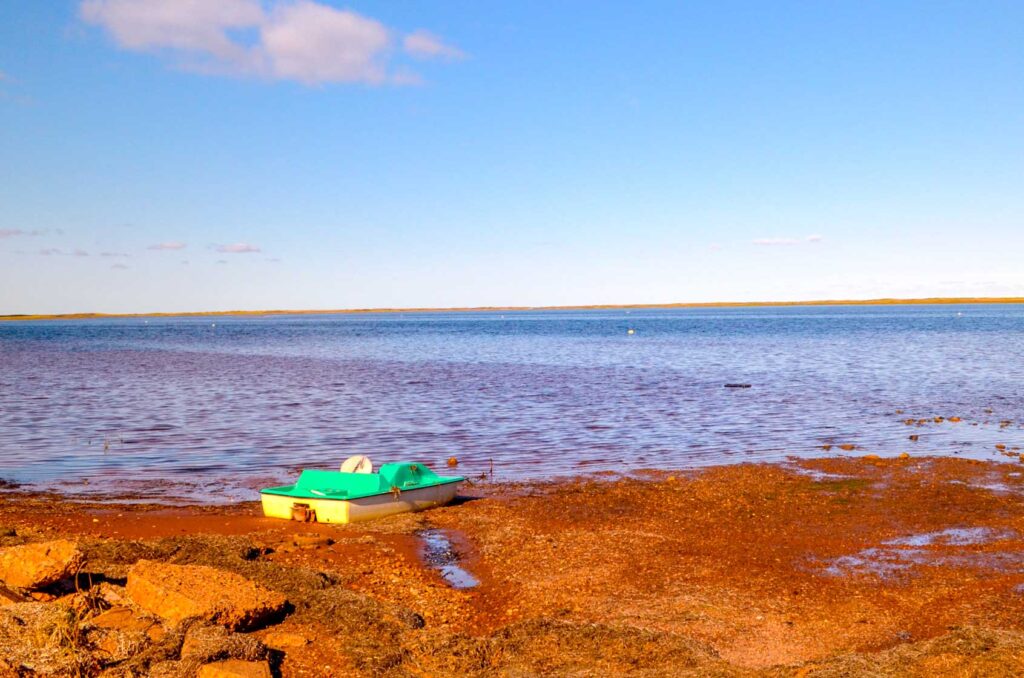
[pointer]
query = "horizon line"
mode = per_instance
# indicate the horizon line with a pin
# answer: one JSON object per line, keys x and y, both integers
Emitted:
{"x": 936, "y": 301}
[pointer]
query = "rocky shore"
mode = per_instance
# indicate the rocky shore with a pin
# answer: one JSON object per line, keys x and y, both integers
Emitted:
{"x": 829, "y": 567}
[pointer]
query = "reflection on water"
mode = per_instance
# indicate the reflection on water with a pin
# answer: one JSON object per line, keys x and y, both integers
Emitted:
{"x": 439, "y": 554}
{"x": 180, "y": 406}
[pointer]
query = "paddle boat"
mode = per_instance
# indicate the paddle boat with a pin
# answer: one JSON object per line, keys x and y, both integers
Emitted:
{"x": 356, "y": 493}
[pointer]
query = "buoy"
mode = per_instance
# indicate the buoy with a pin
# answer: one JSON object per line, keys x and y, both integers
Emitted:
{"x": 630, "y": 331}
{"x": 452, "y": 461}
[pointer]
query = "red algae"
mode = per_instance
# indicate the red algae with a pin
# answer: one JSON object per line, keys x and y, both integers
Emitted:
{"x": 817, "y": 566}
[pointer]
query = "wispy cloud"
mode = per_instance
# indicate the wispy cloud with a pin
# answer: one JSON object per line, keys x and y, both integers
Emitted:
{"x": 114, "y": 254}
{"x": 57, "y": 252}
{"x": 120, "y": 267}
{"x": 238, "y": 248}
{"x": 425, "y": 45}
{"x": 167, "y": 246}
{"x": 14, "y": 232}
{"x": 787, "y": 242}
{"x": 301, "y": 40}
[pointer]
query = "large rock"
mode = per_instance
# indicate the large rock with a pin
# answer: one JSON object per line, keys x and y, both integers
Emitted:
{"x": 35, "y": 566}
{"x": 179, "y": 592}
{"x": 234, "y": 668}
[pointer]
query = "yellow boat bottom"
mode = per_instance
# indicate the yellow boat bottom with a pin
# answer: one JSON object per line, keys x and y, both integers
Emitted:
{"x": 357, "y": 510}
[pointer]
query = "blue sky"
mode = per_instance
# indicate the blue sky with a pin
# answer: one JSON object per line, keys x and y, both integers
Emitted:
{"x": 164, "y": 155}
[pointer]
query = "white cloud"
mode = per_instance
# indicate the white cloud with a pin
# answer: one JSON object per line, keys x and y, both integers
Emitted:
{"x": 815, "y": 238}
{"x": 120, "y": 267}
{"x": 301, "y": 40}
{"x": 425, "y": 45}
{"x": 173, "y": 245}
{"x": 238, "y": 248}
{"x": 314, "y": 43}
{"x": 195, "y": 27}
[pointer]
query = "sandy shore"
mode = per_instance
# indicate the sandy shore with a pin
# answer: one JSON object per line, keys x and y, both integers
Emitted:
{"x": 825, "y": 567}
{"x": 593, "y": 307}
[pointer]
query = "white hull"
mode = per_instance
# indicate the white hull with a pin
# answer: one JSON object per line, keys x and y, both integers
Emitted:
{"x": 364, "y": 508}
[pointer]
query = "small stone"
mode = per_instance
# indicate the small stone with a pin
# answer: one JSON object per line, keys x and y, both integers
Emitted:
{"x": 234, "y": 668}
{"x": 1000, "y": 446}
{"x": 871, "y": 457}
{"x": 36, "y": 566}
{"x": 914, "y": 437}
{"x": 847, "y": 447}
{"x": 177, "y": 592}
{"x": 904, "y": 455}
{"x": 311, "y": 541}
{"x": 453, "y": 462}
{"x": 955, "y": 420}
{"x": 122, "y": 619}
{"x": 285, "y": 640}
{"x": 826, "y": 447}
{"x": 209, "y": 643}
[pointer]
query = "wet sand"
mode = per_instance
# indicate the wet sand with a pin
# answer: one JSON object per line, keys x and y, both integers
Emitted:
{"x": 825, "y": 567}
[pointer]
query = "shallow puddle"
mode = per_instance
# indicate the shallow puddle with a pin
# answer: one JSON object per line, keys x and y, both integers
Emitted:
{"x": 929, "y": 548}
{"x": 439, "y": 554}
{"x": 954, "y": 536}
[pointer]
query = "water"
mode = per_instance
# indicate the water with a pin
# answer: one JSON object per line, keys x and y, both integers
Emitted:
{"x": 439, "y": 554}
{"x": 211, "y": 409}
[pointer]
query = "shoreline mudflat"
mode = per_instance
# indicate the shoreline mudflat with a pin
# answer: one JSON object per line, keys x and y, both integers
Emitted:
{"x": 823, "y": 567}
{"x": 925, "y": 301}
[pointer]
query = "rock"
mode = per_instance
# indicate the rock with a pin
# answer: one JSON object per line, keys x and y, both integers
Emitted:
{"x": 206, "y": 643}
{"x": 914, "y": 437}
{"x": 35, "y": 566}
{"x": 1000, "y": 446}
{"x": 122, "y": 618}
{"x": 955, "y": 420}
{"x": 178, "y": 592}
{"x": 453, "y": 462}
{"x": 285, "y": 640}
{"x": 871, "y": 457}
{"x": 826, "y": 447}
{"x": 311, "y": 541}
{"x": 904, "y": 455}
{"x": 848, "y": 447}
{"x": 234, "y": 668}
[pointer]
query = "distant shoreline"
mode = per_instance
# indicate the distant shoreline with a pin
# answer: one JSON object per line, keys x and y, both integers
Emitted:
{"x": 934, "y": 301}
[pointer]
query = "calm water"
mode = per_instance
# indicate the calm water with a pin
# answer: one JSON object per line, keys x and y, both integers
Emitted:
{"x": 213, "y": 408}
